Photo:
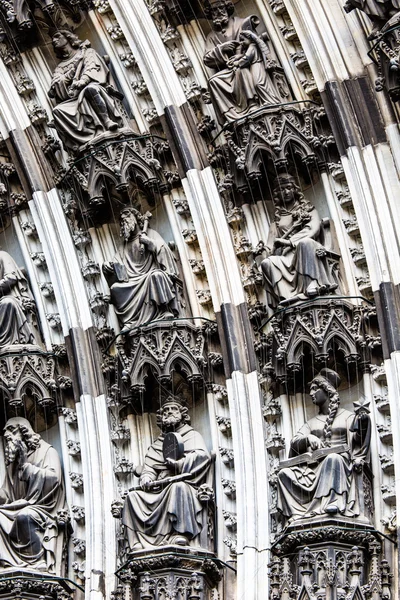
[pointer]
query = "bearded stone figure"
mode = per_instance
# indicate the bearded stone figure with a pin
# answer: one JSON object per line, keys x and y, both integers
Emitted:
{"x": 83, "y": 92}
{"x": 296, "y": 267}
{"x": 30, "y": 498}
{"x": 168, "y": 508}
{"x": 325, "y": 456}
{"x": 142, "y": 278}
{"x": 15, "y": 303}
{"x": 240, "y": 62}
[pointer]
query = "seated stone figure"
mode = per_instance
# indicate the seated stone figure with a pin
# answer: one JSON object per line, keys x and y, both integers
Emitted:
{"x": 296, "y": 267}
{"x": 30, "y": 498}
{"x": 168, "y": 507}
{"x": 83, "y": 92}
{"x": 240, "y": 62}
{"x": 142, "y": 278}
{"x": 15, "y": 303}
{"x": 337, "y": 441}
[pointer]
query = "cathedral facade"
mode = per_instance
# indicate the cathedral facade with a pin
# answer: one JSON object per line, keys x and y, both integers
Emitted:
{"x": 199, "y": 299}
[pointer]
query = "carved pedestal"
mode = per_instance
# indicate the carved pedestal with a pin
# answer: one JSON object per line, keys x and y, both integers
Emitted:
{"x": 21, "y": 583}
{"x": 168, "y": 572}
{"x": 333, "y": 561}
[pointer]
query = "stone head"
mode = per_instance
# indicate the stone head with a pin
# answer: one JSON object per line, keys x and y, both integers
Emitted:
{"x": 324, "y": 386}
{"x": 219, "y": 12}
{"x": 172, "y": 414}
{"x": 64, "y": 41}
{"x": 129, "y": 219}
{"x": 285, "y": 190}
{"x": 19, "y": 431}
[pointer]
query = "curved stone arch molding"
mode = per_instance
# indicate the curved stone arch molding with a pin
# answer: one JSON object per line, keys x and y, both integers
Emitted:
{"x": 289, "y": 135}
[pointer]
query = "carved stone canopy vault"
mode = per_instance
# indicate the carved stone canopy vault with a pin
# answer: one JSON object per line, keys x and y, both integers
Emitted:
{"x": 323, "y": 328}
{"x": 110, "y": 169}
{"x": 160, "y": 348}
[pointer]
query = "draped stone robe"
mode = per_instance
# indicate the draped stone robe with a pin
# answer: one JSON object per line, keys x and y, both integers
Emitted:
{"x": 32, "y": 497}
{"x": 176, "y": 508}
{"x": 150, "y": 291}
{"x": 14, "y": 325}
{"x": 234, "y": 91}
{"x": 75, "y": 118}
{"x": 302, "y": 489}
{"x": 289, "y": 270}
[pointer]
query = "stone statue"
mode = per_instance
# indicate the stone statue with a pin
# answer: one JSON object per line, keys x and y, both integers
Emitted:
{"x": 319, "y": 477}
{"x": 168, "y": 507}
{"x": 83, "y": 92}
{"x": 379, "y": 11}
{"x": 143, "y": 277}
{"x": 296, "y": 267}
{"x": 240, "y": 61}
{"x": 15, "y": 302}
{"x": 30, "y": 498}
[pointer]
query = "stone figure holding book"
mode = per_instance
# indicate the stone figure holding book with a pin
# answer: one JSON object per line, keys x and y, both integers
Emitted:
{"x": 327, "y": 452}
{"x": 168, "y": 507}
{"x": 143, "y": 277}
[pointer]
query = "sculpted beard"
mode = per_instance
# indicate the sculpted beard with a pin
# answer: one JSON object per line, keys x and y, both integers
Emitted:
{"x": 220, "y": 21}
{"x": 11, "y": 450}
{"x": 170, "y": 422}
{"x": 128, "y": 227}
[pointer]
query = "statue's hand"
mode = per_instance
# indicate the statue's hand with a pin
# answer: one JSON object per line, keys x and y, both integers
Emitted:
{"x": 174, "y": 465}
{"x": 145, "y": 483}
{"x": 314, "y": 442}
{"x": 78, "y": 85}
{"x": 229, "y": 47}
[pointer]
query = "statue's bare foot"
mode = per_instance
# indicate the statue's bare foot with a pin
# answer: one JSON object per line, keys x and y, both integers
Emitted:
{"x": 313, "y": 289}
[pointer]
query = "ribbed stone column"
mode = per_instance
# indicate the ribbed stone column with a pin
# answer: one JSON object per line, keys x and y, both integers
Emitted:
{"x": 227, "y": 292}
{"x": 367, "y": 138}
{"x": 83, "y": 354}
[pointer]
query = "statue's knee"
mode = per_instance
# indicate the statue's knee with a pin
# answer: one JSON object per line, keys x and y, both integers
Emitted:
{"x": 266, "y": 266}
{"x": 305, "y": 243}
{"x": 91, "y": 90}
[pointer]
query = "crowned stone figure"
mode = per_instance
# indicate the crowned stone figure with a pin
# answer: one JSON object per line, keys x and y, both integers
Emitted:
{"x": 32, "y": 501}
{"x": 296, "y": 266}
{"x": 83, "y": 92}
{"x": 168, "y": 508}
{"x": 319, "y": 478}
{"x": 143, "y": 277}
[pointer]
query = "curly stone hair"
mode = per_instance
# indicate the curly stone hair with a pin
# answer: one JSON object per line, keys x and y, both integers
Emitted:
{"x": 31, "y": 438}
{"x": 210, "y": 4}
{"x": 179, "y": 402}
{"x": 71, "y": 37}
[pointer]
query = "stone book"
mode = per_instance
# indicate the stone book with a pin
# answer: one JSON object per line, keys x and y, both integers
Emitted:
{"x": 313, "y": 457}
